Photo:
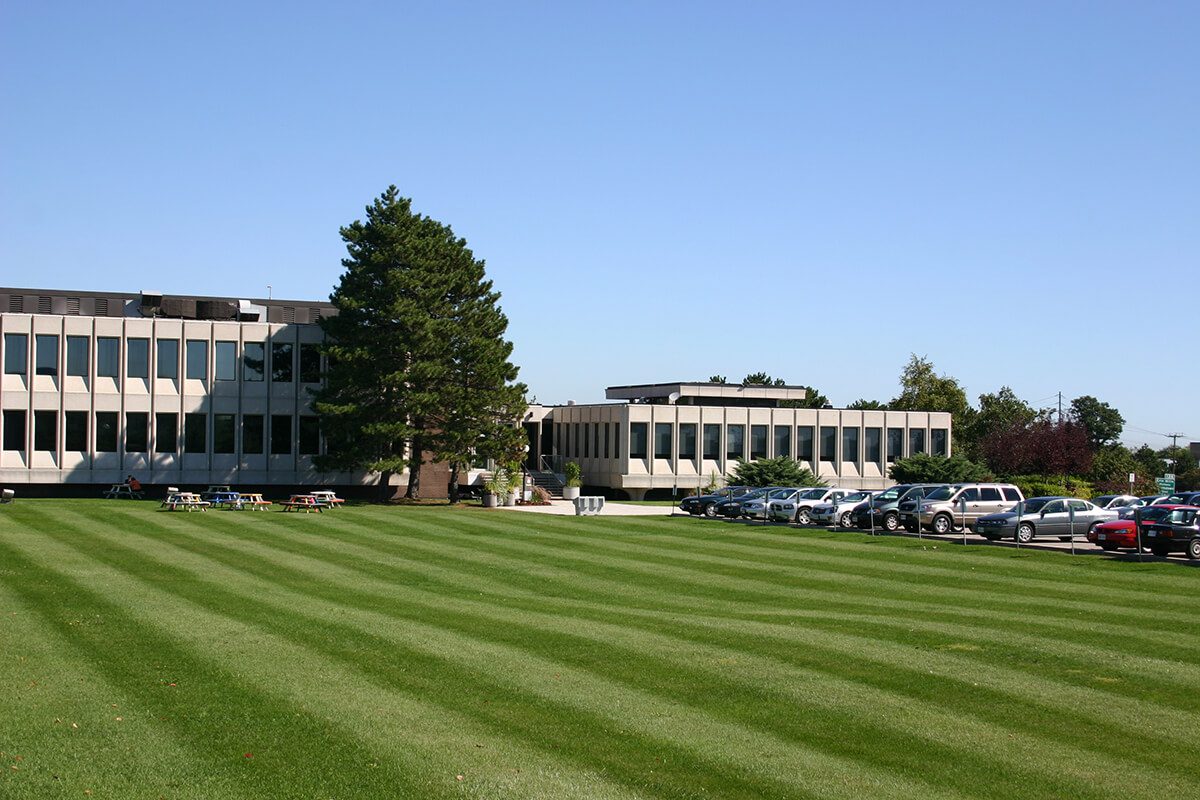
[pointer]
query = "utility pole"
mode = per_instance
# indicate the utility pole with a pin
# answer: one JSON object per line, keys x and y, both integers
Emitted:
{"x": 1060, "y": 408}
{"x": 1175, "y": 437}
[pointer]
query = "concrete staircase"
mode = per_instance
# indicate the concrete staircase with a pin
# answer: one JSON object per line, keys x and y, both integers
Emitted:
{"x": 548, "y": 481}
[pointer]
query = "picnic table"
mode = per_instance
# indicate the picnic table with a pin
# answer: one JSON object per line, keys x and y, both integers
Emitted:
{"x": 330, "y": 499}
{"x": 184, "y": 501}
{"x": 122, "y": 490}
{"x": 254, "y": 502}
{"x": 303, "y": 502}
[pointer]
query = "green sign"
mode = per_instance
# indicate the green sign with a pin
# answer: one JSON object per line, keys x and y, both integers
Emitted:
{"x": 1166, "y": 484}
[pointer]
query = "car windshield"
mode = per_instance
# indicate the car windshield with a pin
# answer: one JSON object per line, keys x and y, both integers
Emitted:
{"x": 889, "y": 494}
{"x": 1036, "y": 504}
{"x": 941, "y": 493}
{"x": 813, "y": 494}
{"x": 1154, "y": 513}
{"x": 1104, "y": 499}
{"x": 857, "y": 497}
{"x": 780, "y": 494}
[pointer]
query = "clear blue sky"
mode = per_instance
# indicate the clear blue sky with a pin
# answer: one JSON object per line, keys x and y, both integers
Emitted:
{"x": 662, "y": 191}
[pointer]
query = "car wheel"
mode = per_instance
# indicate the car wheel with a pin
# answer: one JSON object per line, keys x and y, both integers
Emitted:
{"x": 803, "y": 517}
{"x": 891, "y": 521}
{"x": 845, "y": 520}
{"x": 942, "y": 525}
{"x": 710, "y": 510}
{"x": 1194, "y": 549}
{"x": 1160, "y": 551}
{"x": 1024, "y": 532}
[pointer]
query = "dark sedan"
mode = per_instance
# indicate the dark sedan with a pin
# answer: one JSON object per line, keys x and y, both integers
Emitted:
{"x": 733, "y": 506}
{"x": 706, "y": 504}
{"x": 1178, "y": 532}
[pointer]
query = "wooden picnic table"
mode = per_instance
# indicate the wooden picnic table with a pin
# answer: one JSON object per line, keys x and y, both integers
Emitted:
{"x": 330, "y": 499}
{"x": 303, "y": 502}
{"x": 254, "y": 501}
{"x": 184, "y": 501}
{"x": 118, "y": 490}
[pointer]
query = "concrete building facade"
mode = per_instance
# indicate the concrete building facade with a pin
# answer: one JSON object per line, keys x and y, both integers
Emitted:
{"x": 675, "y": 437}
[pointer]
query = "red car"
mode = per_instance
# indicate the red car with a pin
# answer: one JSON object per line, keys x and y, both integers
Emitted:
{"x": 1120, "y": 533}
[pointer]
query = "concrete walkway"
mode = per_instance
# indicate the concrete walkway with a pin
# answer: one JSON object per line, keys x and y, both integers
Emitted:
{"x": 567, "y": 509}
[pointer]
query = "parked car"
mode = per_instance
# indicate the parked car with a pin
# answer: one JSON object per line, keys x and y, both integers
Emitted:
{"x": 1177, "y": 532}
{"x": 1184, "y": 498}
{"x": 758, "y": 507}
{"x": 960, "y": 505}
{"x": 1125, "y": 511}
{"x": 1122, "y": 533}
{"x": 732, "y": 507}
{"x": 1043, "y": 516}
{"x": 1114, "y": 500}
{"x": 799, "y": 510}
{"x": 706, "y": 504}
{"x": 840, "y": 512}
{"x": 883, "y": 511}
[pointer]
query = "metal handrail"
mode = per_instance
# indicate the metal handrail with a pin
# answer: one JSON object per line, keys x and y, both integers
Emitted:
{"x": 553, "y": 463}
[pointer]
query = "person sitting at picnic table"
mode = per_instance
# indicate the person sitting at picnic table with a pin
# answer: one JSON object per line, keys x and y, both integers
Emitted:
{"x": 133, "y": 483}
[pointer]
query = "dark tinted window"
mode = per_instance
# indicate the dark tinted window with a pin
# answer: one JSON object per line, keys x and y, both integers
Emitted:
{"x": 873, "y": 444}
{"x": 637, "y": 440}
{"x": 167, "y": 358}
{"x": 850, "y": 444}
{"x": 225, "y": 361}
{"x": 828, "y": 443}
{"x": 712, "y": 442}
{"x": 804, "y": 443}
{"x": 195, "y": 433}
{"x": 197, "y": 360}
{"x": 15, "y": 356}
{"x": 895, "y": 444}
{"x": 662, "y": 440}
{"x": 281, "y": 363}
{"x": 14, "y": 430}
{"x": 735, "y": 442}
{"x": 1011, "y": 494}
{"x": 75, "y": 431}
{"x": 77, "y": 356}
{"x": 783, "y": 440}
{"x": 252, "y": 434}
{"x": 281, "y": 434}
{"x": 310, "y": 436}
{"x": 166, "y": 432}
{"x": 106, "y": 431}
{"x": 108, "y": 357}
{"x": 45, "y": 430}
{"x": 253, "y": 361}
{"x": 47, "y": 356}
{"x": 687, "y": 440}
{"x": 916, "y": 441}
{"x": 137, "y": 432}
{"x": 938, "y": 438}
{"x": 137, "y": 358}
{"x": 223, "y": 433}
{"x": 758, "y": 441}
{"x": 989, "y": 494}
{"x": 310, "y": 363}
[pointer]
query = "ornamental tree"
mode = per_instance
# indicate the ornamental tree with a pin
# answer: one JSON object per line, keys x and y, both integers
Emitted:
{"x": 418, "y": 362}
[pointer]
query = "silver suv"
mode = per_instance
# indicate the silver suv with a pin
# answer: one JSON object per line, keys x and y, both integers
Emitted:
{"x": 952, "y": 507}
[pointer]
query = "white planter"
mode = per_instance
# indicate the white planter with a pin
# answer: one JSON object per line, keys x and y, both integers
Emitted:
{"x": 511, "y": 499}
{"x": 490, "y": 501}
{"x": 570, "y": 492}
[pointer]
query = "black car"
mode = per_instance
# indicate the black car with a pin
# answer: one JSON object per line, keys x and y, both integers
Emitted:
{"x": 706, "y": 504}
{"x": 732, "y": 507}
{"x": 1177, "y": 532}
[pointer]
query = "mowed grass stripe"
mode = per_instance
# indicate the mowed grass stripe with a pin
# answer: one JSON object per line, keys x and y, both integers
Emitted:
{"x": 1077, "y": 764}
{"x": 302, "y": 674}
{"x": 1077, "y": 675}
{"x": 1130, "y": 660}
{"x": 825, "y": 772}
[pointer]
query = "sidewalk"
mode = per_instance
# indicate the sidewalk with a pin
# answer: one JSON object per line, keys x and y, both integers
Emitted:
{"x": 566, "y": 508}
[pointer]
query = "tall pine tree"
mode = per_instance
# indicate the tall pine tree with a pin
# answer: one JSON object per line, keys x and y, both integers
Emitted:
{"x": 417, "y": 357}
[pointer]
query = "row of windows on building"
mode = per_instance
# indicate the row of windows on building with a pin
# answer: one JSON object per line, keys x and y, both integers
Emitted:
{"x": 277, "y": 434}
{"x": 254, "y": 367}
{"x": 594, "y": 440}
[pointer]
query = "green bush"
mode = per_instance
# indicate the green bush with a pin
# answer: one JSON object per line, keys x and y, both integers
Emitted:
{"x": 924, "y": 468}
{"x": 573, "y": 473}
{"x": 781, "y": 471}
{"x": 1051, "y": 485}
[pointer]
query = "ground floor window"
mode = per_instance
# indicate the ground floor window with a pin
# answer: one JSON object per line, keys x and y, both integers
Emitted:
{"x": 828, "y": 443}
{"x": 106, "y": 431}
{"x": 14, "y": 430}
{"x": 75, "y": 431}
{"x": 637, "y": 440}
{"x": 687, "y": 441}
{"x": 45, "y": 431}
{"x": 662, "y": 440}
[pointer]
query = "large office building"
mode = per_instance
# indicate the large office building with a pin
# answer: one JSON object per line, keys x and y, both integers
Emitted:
{"x": 191, "y": 391}
{"x": 173, "y": 390}
{"x": 673, "y": 437}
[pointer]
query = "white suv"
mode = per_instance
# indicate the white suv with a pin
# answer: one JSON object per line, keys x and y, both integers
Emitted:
{"x": 840, "y": 512}
{"x": 800, "y": 509}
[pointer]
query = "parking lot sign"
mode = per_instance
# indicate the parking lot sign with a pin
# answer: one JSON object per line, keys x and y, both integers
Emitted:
{"x": 1166, "y": 484}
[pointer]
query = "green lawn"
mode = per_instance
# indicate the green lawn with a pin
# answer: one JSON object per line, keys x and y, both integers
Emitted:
{"x": 431, "y": 652}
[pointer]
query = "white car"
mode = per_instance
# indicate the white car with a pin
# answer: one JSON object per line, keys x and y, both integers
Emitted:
{"x": 757, "y": 508}
{"x": 799, "y": 510}
{"x": 840, "y": 512}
